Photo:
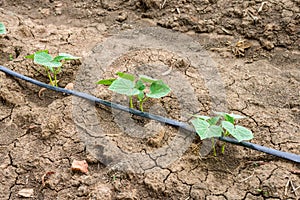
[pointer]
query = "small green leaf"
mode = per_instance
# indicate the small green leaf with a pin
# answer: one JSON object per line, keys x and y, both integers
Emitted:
{"x": 228, "y": 126}
{"x": 126, "y": 76}
{"x": 31, "y": 56}
{"x": 158, "y": 89}
{"x": 239, "y": 132}
{"x": 205, "y": 130}
{"x": 43, "y": 58}
{"x": 213, "y": 120}
{"x": 124, "y": 86}
{"x": 68, "y": 56}
{"x": 140, "y": 85}
{"x": 202, "y": 117}
{"x": 235, "y": 116}
{"x": 243, "y": 133}
{"x": 2, "y": 28}
{"x": 228, "y": 118}
{"x": 65, "y": 56}
{"x": 231, "y": 117}
{"x": 147, "y": 79}
{"x": 107, "y": 82}
{"x": 141, "y": 96}
{"x": 219, "y": 113}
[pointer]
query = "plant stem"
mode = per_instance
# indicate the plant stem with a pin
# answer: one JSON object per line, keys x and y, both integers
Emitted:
{"x": 223, "y": 145}
{"x": 223, "y": 148}
{"x": 141, "y": 106}
{"x": 214, "y": 146}
{"x": 141, "y": 103}
{"x": 50, "y": 78}
{"x": 130, "y": 102}
{"x": 226, "y": 134}
{"x": 55, "y": 80}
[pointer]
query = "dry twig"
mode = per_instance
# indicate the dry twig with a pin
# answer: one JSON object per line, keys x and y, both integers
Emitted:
{"x": 243, "y": 180}
{"x": 261, "y": 7}
{"x": 163, "y": 4}
{"x": 290, "y": 182}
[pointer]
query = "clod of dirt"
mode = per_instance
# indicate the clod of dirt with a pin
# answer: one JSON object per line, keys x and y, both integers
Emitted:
{"x": 157, "y": 139}
{"x": 9, "y": 133}
{"x": 69, "y": 86}
{"x": 10, "y": 97}
{"x": 128, "y": 195}
{"x": 101, "y": 192}
{"x": 122, "y": 17}
{"x": 50, "y": 126}
{"x": 79, "y": 166}
{"x": 240, "y": 47}
{"x": 27, "y": 193}
{"x": 267, "y": 44}
{"x": 45, "y": 177}
{"x": 155, "y": 180}
{"x": 91, "y": 158}
{"x": 148, "y": 4}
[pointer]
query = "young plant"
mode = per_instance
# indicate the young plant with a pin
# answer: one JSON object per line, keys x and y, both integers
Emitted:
{"x": 2, "y": 28}
{"x": 221, "y": 125}
{"x": 129, "y": 85}
{"x": 52, "y": 65}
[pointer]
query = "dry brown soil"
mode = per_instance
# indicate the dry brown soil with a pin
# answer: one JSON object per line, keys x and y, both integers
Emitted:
{"x": 255, "y": 48}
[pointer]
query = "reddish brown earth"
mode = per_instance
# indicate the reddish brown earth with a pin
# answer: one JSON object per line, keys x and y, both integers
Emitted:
{"x": 253, "y": 51}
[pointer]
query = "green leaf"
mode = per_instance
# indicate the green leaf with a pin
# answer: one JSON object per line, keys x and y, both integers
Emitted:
{"x": 45, "y": 59}
{"x": 213, "y": 120}
{"x": 235, "y": 116}
{"x": 202, "y": 117}
{"x": 31, "y": 56}
{"x": 239, "y": 132}
{"x": 65, "y": 56}
{"x": 107, "y": 82}
{"x": 141, "y": 96}
{"x": 158, "y": 89}
{"x": 2, "y": 28}
{"x": 231, "y": 117}
{"x": 140, "y": 85}
{"x": 147, "y": 79}
{"x": 228, "y": 126}
{"x": 126, "y": 76}
{"x": 228, "y": 118}
{"x": 124, "y": 86}
{"x": 219, "y": 113}
{"x": 205, "y": 130}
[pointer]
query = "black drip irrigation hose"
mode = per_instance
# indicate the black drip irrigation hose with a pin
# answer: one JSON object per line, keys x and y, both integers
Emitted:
{"x": 185, "y": 126}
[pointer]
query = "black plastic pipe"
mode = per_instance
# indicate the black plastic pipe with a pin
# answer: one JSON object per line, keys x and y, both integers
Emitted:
{"x": 288, "y": 156}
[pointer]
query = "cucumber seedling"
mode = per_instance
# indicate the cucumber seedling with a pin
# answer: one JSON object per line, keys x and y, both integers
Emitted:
{"x": 2, "y": 28}
{"x": 129, "y": 85}
{"x": 222, "y": 125}
{"x": 52, "y": 66}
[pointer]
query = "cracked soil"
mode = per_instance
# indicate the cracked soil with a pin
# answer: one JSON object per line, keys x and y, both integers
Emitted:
{"x": 255, "y": 47}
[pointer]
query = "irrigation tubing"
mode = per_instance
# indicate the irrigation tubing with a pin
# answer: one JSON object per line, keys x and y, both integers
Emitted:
{"x": 285, "y": 155}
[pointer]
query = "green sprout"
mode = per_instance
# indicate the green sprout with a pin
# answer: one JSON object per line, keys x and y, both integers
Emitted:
{"x": 129, "y": 85}
{"x": 10, "y": 57}
{"x": 2, "y": 28}
{"x": 221, "y": 125}
{"x": 52, "y": 65}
